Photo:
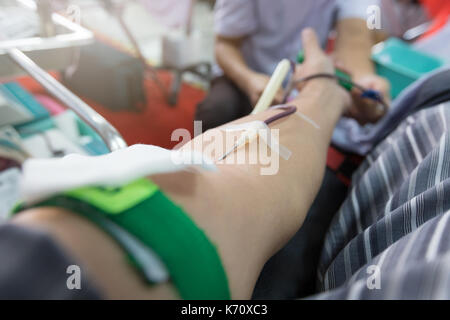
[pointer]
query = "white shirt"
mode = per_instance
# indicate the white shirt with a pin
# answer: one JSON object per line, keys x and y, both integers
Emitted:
{"x": 273, "y": 27}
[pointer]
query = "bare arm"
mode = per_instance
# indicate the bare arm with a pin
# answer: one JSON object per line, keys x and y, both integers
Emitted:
{"x": 248, "y": 216}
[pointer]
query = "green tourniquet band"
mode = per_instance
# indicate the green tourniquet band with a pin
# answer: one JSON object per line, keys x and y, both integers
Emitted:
{"x": 116, "y": 200}
{"x": 191, "y": 259}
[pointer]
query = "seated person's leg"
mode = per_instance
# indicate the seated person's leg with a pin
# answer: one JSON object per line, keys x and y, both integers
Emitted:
{"x": 225, "y": 102}
{"x": 248, "y": 216}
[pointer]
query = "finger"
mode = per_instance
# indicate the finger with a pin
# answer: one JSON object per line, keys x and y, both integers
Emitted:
{"x": 311, "y": 43}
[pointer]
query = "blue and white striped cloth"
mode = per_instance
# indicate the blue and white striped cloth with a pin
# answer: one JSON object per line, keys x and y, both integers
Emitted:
{"x": 391, "y": 237}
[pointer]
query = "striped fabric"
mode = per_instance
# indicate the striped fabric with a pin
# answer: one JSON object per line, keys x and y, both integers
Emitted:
{"x": 391, "y": 237}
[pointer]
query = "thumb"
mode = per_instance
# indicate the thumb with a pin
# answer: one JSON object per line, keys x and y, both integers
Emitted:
{"x": 310, "y": 43}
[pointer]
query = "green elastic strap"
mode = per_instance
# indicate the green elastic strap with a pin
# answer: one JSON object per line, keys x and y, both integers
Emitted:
{"x": 146, "y": 213}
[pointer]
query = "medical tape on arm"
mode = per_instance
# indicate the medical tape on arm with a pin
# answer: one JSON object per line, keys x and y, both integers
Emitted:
{"x": 252, "y": 130}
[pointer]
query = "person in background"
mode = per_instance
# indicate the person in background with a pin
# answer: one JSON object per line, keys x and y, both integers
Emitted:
{"x": 252, "y": 36}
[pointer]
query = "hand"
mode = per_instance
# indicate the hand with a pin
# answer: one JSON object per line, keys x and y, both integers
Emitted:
{"x": 255, "y": 86}
{"x": 365, "y": 110}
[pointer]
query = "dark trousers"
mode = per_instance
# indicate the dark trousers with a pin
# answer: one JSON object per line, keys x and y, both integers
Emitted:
{"x": 292, "y": 272}
{"x": 225, "y": 102}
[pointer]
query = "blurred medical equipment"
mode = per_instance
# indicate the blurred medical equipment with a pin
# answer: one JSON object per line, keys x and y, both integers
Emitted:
{"x": 430, "y": 90}
{"x": 49, "y": 51}
{"x": 182, "y": 51}
{"x": 349, "y": 86}
{"x": 343, "y": 77}
{"x": 12, "y": 112}
{"x": 403, "y": 19}
{"x": 273, "y": 86}
{"x": 117, "y": 10}
{"x": 437, "y": 44}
